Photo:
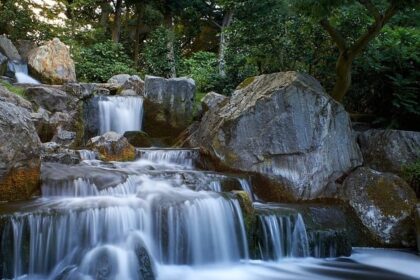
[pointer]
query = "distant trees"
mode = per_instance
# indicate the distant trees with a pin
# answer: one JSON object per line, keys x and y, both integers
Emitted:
{"x": 381, "y": 13}
{"x": 364, "y": 52}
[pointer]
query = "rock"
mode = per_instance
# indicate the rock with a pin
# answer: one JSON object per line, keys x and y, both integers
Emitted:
{"x": 417, "y": 214}
{"x": 284, "y": 127}
{"x": 8, "y": 49}
{"x": 389, "y": 150}
{"x": 138, "y": 138}
{"x": 51, "y": 99}
{"x": 52, "y": 63}
{"x": 119, "y": 79}
{"x": 384, "y": 203}
{"x": 64, "y": 137}
{"x": 128, "y": 85}
{"x": 7, "y": 96}
{"x": 25, "y": 47}
{"x": 3, "y": 64}
{"x": 168, "y": 106}
{"x": 54, "y": 152}
{"x": 211, "y": 100}
{"x": 19, "y": 154}
{"x": 112, "y": 147}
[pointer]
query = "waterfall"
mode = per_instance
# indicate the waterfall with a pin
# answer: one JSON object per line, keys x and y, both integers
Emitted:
{"x": 184, "y": 157}
{"x": 282, "y": 236}
{"x": 120, "y": 113}
{"x": 20, "y": 70}
{"x": 87, "y": 155}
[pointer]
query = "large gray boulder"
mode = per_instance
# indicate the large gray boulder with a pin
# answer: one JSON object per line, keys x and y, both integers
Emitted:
{"x": 19, "y": 153}
{"x": 168, "y": 106}
{"x": 389, "y": 150}
{"x": 127, "y": 84}
{"x": 284, "y": 127}
{"x": 384, "y": 203}
{"x": 8, "y": 49}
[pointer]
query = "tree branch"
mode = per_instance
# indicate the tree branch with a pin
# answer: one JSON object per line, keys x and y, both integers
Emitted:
{"x": 335, "y": 35}
{"x": 372, "y": 9}
{"x": 373, "y": 30}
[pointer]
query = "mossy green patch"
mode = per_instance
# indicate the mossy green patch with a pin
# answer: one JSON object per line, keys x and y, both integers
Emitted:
{"x": 385, "y": 195}
{"x": 246, "y": 82}
{"x": 14, "y": 89}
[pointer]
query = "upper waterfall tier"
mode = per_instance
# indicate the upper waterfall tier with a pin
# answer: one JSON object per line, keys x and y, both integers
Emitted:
{"x": 120, "y": 113}
{"x": 20, "y": 71}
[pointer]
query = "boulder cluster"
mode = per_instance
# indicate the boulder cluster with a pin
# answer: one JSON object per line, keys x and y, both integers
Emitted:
{"x": 283, "y": 129}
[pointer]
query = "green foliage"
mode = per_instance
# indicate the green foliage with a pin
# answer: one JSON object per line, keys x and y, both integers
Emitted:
{"x": 100, "y": 61}
{"x": 155, "y": 56}
{"x": 411, "y": 173}
{"x": 13, "y": 89}
{"x": 386, "y": 79}
{"x": 203, "y": 68}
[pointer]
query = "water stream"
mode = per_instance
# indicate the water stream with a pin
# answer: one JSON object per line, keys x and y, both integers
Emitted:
{"x": 159, "y": 217}
{"x": 20, "y": 70}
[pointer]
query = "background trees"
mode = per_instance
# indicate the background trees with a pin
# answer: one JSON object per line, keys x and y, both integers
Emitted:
{"x": 364, "y": 52}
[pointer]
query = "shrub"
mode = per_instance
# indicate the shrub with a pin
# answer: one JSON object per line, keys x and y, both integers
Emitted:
{"x": 99, "y": 62}
{"x": 203, "y": 68}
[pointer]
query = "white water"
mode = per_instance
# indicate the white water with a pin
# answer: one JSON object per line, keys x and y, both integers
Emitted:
{"x": 153, "y": 223}
{"x": 87, "y": 155}
{"x": 183, "y": 157}
{"x": 283, "y": 236}
{"x": 21, "y": 73}
{"x": 120, "y": 113}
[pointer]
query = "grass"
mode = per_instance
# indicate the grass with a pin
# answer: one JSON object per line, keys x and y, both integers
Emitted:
{"x": 16, "y": 90}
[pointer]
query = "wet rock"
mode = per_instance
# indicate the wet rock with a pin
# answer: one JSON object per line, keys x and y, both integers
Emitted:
{"x": 389, "y": 150}
{"x": 84, "y": 90}
{"x": 8, "y": 49}
{"x": 168, "y": 106}
{"x": 138, "y": 138}
{"x": 384, "y": 203}
{"x": 19, "y": 154}
{"x": 51, "y": 63}
{"x": 112, "y": 147}
{"x": 211, "y": 100}
{"x": 284, "y": 127}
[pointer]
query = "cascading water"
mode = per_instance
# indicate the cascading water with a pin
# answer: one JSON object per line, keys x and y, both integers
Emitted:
{"x": 20, "y": 70}
{"x": 120, "y": 113}
{"x": 160, "y": 218}
{"x": 282, "y": 236}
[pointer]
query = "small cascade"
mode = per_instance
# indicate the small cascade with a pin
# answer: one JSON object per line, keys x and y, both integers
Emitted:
{"x": 120, "y": 113}
{"x": 87, "y": 155}
{"x": 20, "y": 70}
{"x": 184, "y": 157}
{"x": 282, "y": 236}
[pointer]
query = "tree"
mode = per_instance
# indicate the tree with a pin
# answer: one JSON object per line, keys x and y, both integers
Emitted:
{"x": 324, "y": 11}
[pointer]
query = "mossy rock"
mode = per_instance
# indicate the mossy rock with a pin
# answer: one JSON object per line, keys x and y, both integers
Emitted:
{"x": 20, "y": 184}
{"x": 138, "y": 139}
{"x": 384, "y": 203}
{"x": 112, "y": 147}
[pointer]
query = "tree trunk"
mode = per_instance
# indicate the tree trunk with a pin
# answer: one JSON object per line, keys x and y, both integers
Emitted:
{"x": 105, "y": 11}
{"x": 171, "y": 48}
{"x": 117, "y": 22}
{"x": 343, "y": 79}
{"x": 227, "y": 19}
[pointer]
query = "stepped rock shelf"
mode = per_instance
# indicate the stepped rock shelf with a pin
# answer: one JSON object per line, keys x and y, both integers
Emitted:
{"x": 106, "y": 207}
